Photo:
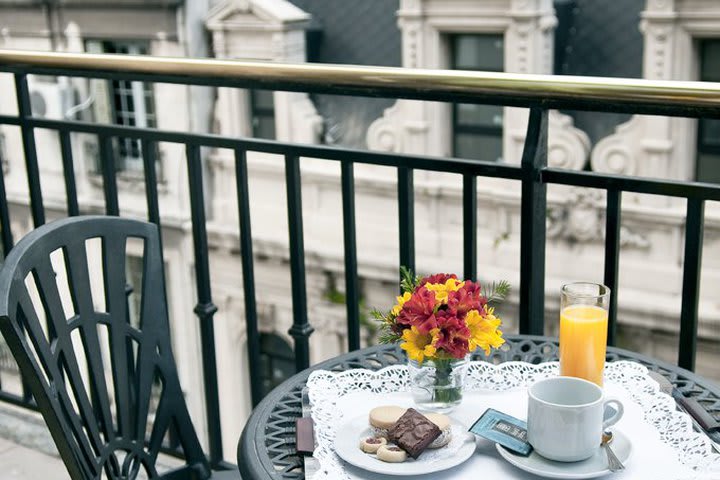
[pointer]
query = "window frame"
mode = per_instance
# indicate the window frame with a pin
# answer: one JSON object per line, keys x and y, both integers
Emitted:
{"x": 701, "y": 147}
{"x": 456, "y": 126}
{"x": 143, "y": 101}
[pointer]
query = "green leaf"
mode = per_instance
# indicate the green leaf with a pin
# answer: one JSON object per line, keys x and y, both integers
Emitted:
{"x": 497, "y": 292}
{"x": 386, "y": 335}
{"x": 409, "y": 281}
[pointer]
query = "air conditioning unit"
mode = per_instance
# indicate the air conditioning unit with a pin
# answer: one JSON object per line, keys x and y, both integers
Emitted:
{"x": 47, "y": 98}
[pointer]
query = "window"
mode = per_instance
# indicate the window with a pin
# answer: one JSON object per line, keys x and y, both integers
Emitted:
{"x": 277, "y": 361}
{"x": 262, "y": 112}
{"x": 477, "y": 129}
{"x": 130, "y": 104}
{"x": 708, "y": 142}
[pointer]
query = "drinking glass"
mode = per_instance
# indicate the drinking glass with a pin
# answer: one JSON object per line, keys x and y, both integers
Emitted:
{"x": 583, "y": 330}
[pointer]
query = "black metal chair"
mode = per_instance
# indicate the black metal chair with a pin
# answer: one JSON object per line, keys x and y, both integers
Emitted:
{"x": 94, "y": 374}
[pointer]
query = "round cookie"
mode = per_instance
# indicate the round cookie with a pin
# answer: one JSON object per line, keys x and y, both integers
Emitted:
{"x": 391, "y": 454}
{"x": 372, "y": 444}
{"x": 382, "y": 418}
{"x": 443, "y": 423}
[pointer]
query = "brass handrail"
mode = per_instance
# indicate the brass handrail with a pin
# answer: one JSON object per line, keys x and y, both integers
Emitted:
{"x": 510, "y": 88}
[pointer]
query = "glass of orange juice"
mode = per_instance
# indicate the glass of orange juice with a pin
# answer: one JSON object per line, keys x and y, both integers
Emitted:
{"x": 583, "y": 330}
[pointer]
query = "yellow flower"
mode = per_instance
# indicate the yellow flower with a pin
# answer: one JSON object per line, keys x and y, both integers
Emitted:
{"x": 401, "y": 301}
{"x": 418, "y": 345}
{"x": 484, "y": 331}
{"x": 441, "y": 289}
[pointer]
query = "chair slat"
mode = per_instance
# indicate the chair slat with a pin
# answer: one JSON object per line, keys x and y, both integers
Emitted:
{"x": 51, "y": 365}
{"x": 113, "y": 259}
{"x": 50, "y": 297}
{"x": 80, "y": 293}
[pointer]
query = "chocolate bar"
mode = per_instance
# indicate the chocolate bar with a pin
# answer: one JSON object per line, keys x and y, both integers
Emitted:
{"x": 413, "y": 432}
{"x": 304, "y": 436}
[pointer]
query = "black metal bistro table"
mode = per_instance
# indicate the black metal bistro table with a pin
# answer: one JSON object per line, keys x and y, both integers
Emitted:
{"x": 266, "y": 449}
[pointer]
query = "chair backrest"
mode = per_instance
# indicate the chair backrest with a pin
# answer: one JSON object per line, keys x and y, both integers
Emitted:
{"x": 96, "y": 375}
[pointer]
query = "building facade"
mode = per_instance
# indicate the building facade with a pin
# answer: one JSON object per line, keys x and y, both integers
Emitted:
{"x": 680, "y": 40}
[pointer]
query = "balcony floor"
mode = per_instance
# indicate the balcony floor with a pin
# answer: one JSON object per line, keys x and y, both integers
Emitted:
{"x": 23, "y": 463}
{"x": 27, "y": 451}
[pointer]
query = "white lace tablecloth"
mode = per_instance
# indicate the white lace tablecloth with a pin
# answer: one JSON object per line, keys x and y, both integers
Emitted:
{"x": 664, "y": 443}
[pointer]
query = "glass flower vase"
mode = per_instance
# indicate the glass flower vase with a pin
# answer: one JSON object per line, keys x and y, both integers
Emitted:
{"x": 437, "y": 385}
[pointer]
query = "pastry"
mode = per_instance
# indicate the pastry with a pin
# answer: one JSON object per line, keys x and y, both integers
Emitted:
{"x": 382, "y": 418}
{"x": 371, "y": 444}
{"x": 443, "y": 423}
{"x": 391, "y": 454}
{"x": 413, "y": 432}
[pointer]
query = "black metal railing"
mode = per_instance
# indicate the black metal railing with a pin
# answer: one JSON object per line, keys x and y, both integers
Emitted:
{"x": 536, "y": 92}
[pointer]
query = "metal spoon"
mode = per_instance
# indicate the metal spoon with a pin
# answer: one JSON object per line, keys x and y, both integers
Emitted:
{"x": 614, "y": 464}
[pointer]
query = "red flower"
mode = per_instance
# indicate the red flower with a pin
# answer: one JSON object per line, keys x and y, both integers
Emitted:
{"x": 453, "y": 335}
{"x": 419, "y": 311}
{"x": 466, "y": 298}
{"x": 437, "y": 278}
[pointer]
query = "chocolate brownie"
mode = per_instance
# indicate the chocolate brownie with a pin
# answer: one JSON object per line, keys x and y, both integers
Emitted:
{"x": 413, "y": 432}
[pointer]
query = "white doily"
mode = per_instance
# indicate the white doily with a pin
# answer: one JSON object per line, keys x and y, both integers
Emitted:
{"x": 326, "y": 390}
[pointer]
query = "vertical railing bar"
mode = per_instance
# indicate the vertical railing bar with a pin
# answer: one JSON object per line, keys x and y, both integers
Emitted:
{"x": 28, "y": 141}
{"x": 205, "y": 309}
{"x": 612, "y": 255}
{"x": 301, "y": 328}
{"x": 406, "y": 214}
{"x": 149, "y": 149}
{"x": 149, "y": 169}
{"x": 246, "y": 256}
{"x": 533, "y": 210}
{"x": 352, "y": 295}
{"x": 69, "y": 173}
{"x": 107, "y": 165}
{"x": 7, "y": 238}
{"x": 470, "y": 227}
{"x": 694, "y": 228}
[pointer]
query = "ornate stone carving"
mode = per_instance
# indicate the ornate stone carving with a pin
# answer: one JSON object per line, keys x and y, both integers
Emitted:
{"x": 383, "y": 132}
{"x": 411, "y": 46}
{"x": 523, "y": 31}
{"x": 614, "y": 153}
{"x": 581, "y": 219}
{"x": 568, "y": 146}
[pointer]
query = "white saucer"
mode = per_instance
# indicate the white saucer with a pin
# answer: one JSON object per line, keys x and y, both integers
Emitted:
{"x": 347, "y": 440}
{"x": 594, "y": 466}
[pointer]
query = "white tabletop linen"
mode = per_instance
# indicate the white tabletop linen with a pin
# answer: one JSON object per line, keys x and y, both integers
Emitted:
{"x": 664, "y": 445}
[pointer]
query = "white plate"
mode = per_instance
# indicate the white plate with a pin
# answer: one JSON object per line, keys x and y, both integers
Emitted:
{"x": 594, "y": 466}
{"x": 347, "y": 446}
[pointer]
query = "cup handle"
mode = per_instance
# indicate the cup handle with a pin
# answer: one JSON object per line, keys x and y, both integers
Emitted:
{"x": 618, "y": 413}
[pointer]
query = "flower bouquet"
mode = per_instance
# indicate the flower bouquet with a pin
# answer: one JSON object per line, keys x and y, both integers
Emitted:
{"x": 439, "y": 320}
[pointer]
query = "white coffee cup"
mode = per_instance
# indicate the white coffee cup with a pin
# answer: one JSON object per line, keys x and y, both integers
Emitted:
{"x": 565, "y": 418}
